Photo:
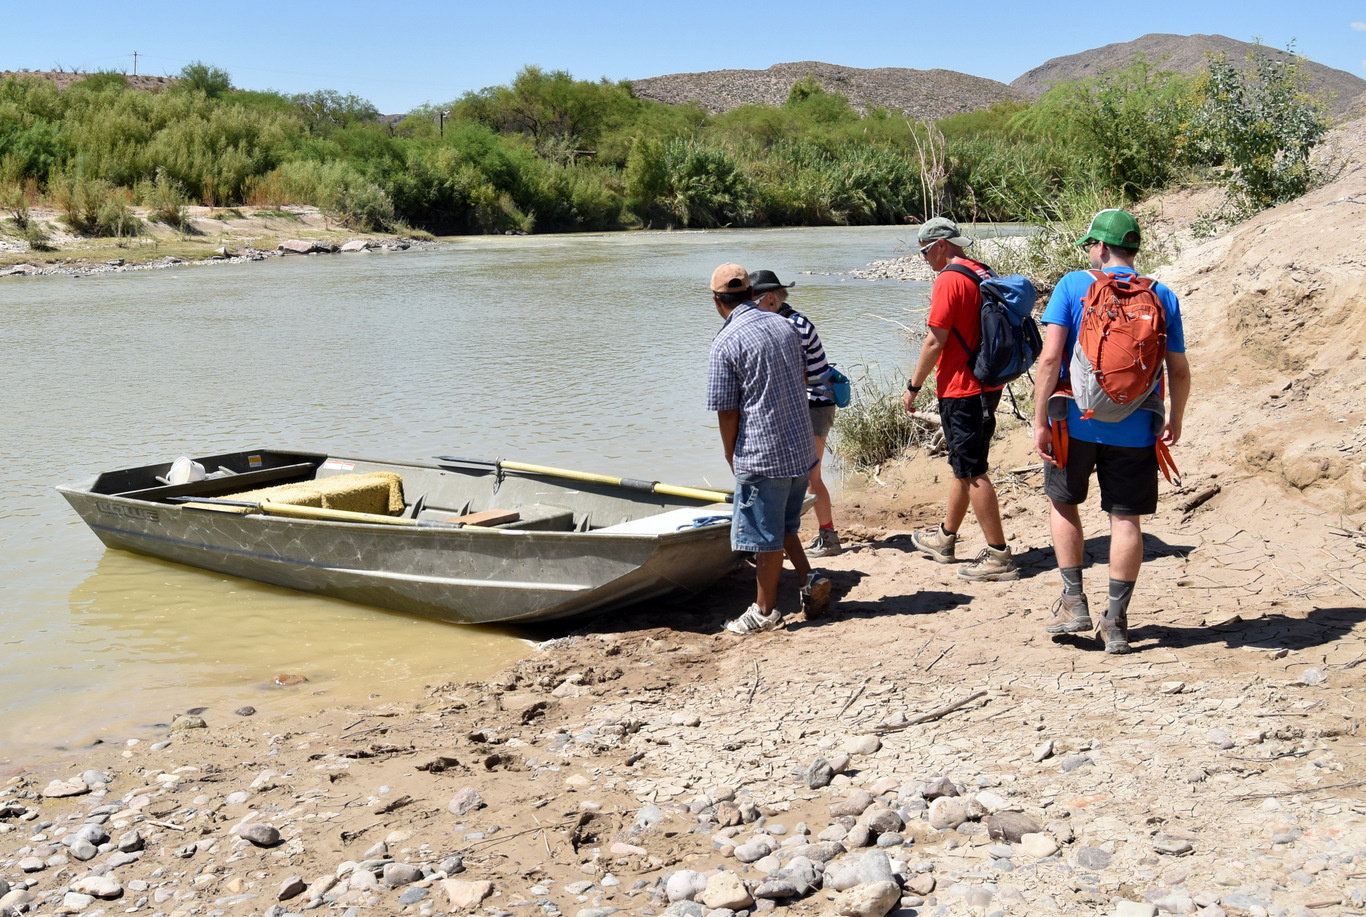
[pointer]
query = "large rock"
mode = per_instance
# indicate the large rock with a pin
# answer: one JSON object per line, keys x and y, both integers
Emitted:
{"x": 1011, "y": 826}
{"x": 259, "y": 833}
{"x": 466, "y": 895}
{"x": 726, "y": 890}
{"x": 948, "y": 812}
{"x": 873, "y": 899}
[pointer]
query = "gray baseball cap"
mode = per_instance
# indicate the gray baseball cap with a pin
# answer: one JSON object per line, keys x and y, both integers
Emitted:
{"x": 942, "y": 228}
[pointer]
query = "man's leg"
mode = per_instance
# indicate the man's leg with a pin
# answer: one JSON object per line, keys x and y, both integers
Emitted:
{"x": 1128, "y": 490}
{"x": 768, "y": 570}
{"x": 1066, "y": 489}
{"x": 988, "y": 512}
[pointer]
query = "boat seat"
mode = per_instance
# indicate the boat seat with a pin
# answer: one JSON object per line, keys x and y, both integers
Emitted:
{"x": 542, "y": 517}
{"x": 671, "y": 521}
{"x": 378, "y": 492}
{"x": 216, "y": 487}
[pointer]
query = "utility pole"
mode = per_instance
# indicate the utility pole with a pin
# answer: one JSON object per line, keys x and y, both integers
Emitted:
{"x": 442, "y": 129}
{"x": 135, "y": 63}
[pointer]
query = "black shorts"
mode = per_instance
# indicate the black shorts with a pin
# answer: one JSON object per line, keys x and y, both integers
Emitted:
{"x": 968, "y": 427}
{"x": 1127, "y": 476}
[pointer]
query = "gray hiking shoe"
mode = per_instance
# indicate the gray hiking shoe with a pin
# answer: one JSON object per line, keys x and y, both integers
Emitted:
{"x": 991, "y": 566}
{"x": 754, "y": 621}
{"x": 1070, "y": 617}
{"x": 815, "y": 596}
{"x": 1113, "y": 632}
{"x": 825, "y": 544}
{"x": 935, "y": 543}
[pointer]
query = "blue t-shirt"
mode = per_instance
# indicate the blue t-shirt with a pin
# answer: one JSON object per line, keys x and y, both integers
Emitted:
{"x": 1064, "y": 308}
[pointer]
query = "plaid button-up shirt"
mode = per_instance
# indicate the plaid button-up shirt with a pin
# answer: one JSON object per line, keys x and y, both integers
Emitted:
{"x": 758, "y": 367}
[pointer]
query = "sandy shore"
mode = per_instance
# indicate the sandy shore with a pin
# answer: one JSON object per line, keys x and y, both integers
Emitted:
{"x": 649, "y": 763}
{"x": 216, "y": 236}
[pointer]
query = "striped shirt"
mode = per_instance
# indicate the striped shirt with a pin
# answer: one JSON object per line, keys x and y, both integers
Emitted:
{"x": 817, "y": 392}
{"x": 756, "y": 367}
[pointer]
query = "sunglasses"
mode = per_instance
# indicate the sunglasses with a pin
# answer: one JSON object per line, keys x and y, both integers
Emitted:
{"x": 924, "y": 249}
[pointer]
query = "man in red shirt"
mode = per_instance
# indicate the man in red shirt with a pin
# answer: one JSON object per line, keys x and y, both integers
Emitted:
{"x": 968, "y": 411}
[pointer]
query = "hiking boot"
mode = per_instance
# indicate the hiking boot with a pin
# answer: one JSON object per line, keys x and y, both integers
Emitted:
{"x": 825, "y": 544}
{"x": 935, "y": 543}
{"x": 815, "y": 596}
{"x": 991, "y": 566}
{"x": 1114, "y": 635}
{"x": 754, "y": 621}
{"x": 1070, "y": 617}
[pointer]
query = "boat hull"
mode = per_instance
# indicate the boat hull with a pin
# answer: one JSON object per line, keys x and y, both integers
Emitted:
{"x": 462, "y": 575}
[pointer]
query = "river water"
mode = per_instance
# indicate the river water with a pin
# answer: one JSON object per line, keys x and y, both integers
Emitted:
{"x": 583, "y": 351}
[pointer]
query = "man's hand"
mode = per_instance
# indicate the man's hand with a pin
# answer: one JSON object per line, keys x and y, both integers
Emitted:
{"x": 1171, "y": 432}
{"x": 1043, "y": 444}
{"x": 908, "y": 399}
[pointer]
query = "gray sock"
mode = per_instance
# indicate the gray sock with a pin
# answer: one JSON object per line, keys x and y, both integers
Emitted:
{"x": 1121, "y": 591}
{"x": 1071, "y": 580}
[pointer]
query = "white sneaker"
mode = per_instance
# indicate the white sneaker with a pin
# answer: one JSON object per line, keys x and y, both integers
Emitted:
{"x": 754, "y": 621}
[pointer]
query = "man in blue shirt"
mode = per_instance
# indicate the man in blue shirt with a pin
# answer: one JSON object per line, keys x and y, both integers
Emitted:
{"x": 756, "y": 382}
{"x": 1123, "y": 454}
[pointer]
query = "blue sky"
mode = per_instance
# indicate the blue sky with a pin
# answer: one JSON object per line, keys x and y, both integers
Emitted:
{"x": 402, "y": 55}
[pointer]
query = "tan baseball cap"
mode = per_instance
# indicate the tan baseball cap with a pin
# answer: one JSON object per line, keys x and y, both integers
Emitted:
{"x": 729, "y": 278}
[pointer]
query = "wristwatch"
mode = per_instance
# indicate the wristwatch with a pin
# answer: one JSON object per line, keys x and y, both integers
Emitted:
{"x": 911, "y": 388}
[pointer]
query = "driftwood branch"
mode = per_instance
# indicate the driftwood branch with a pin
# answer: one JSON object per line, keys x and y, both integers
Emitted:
{"x": 934, "y": 714}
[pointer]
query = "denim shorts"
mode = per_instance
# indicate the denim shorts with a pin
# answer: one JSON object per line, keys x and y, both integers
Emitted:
{"x": 766, "y": 511}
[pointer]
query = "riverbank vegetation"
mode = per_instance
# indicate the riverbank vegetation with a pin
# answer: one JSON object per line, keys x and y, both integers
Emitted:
{"x": 552, "y": 153}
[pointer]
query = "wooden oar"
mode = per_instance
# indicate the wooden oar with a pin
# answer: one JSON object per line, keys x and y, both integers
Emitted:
{"x": 308, "y": 512}
{"x": 671, "y": 490}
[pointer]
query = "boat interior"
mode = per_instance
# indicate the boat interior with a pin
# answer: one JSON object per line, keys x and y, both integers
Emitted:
{"x": 476, "y": 495}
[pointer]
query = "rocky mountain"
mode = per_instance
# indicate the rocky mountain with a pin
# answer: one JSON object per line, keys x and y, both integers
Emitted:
{"x": 1184, "y": 54}
{"x": 917, "y": 93}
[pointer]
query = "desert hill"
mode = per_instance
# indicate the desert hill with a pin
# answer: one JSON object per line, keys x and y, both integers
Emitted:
{"x": 917, "y": 93}
{"x": 64, "y": 78}
{"x": 1184, "y": 54}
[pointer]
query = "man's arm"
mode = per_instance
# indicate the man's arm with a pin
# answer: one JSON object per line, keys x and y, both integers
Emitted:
{"x": 1046, "y": 376}
{"x": 1179, "y": 378}
{"x": 729, "y": 421}
{"x": 935, "y": 339}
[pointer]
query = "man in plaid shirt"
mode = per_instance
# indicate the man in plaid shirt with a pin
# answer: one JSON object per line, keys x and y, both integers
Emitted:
{"x": 756, "y": 382}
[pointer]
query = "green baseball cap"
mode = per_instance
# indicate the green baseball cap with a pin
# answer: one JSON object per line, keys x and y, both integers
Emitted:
{"x": 1113, "y": 227}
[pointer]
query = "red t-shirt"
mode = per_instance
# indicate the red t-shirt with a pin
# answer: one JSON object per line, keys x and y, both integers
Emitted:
{"x": 955, "y": 304}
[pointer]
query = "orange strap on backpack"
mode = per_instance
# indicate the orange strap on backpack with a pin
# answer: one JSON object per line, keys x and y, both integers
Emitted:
{"x": 1057, "y": 425}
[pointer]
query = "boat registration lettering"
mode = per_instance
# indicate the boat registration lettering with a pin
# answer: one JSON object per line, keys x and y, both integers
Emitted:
{"x": 127, "y": 512}
{"x": 335, "y": 465}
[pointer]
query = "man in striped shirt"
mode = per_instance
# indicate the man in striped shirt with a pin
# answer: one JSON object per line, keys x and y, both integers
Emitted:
{"x": 756, "y": 382}
{"x": 772, "y": 297}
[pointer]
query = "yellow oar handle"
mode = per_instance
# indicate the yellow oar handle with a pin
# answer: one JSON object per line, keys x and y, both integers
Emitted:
{"x": 672, "y": 490}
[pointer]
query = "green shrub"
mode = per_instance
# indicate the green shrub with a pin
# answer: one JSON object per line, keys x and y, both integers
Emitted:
{"x": 1261, "y": 125}
{"x": 875, "y": 427}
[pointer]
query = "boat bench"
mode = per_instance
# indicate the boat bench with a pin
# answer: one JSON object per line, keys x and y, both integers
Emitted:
{"x": 217, "y": 487}
{"x": 537, "y": 517}
{"x": 377, "y": 492}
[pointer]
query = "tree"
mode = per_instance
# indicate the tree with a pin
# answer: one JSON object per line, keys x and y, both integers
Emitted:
{"x": 1262, "y": 125}
{"x": 211, "y": 81}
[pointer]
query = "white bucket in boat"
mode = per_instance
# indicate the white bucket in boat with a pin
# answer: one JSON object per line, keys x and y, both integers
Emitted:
{"x": 184, "y": 470}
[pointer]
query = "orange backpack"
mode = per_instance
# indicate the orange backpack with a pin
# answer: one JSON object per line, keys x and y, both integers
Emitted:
{"x": 1117, "y": 362}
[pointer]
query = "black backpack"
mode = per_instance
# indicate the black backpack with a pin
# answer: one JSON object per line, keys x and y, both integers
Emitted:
{"x": 1010, "y": 338}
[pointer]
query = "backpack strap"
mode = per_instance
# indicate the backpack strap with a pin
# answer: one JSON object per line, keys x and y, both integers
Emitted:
{"x": 1167, "y": 464}
{"x": 975, "y": 278}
